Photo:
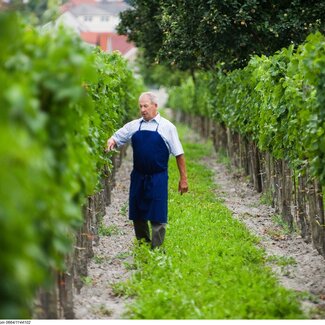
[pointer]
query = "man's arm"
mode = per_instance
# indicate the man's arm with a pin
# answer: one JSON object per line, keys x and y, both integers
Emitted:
{"x": 182, "y": 185}
{"x": 120, "y": 137}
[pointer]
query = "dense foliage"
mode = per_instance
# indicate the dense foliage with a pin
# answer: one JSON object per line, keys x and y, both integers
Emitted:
{"x": 157, "y": 75}
{"x": 277, "y": 101}
{"x": 60, "y": 101}
{"x": 198, "y": 34}
{"x": 36, "y": 12}
{"x": 212, "y": 268}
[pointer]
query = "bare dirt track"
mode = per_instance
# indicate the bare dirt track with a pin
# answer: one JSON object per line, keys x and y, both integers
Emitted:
{"x": 113, "y": 257}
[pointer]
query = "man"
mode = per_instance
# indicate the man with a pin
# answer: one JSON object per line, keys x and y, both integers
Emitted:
{"x": 153, "y": 139}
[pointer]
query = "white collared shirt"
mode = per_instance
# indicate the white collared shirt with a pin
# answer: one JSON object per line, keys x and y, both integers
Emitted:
{"x": 166, "y": 129}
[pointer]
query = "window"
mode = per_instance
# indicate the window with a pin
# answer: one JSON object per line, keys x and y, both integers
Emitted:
{"x": 104, "y": 18}
{"x": 88, "y": 18}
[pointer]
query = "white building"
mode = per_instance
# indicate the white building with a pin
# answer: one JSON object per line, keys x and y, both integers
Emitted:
{"x": 95, "y": 22}
{"x": 95, "y": 16}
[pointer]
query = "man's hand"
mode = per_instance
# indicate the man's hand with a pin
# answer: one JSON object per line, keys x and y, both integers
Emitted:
{"x": 111, "y": 144}
{"x": 183, "y": 186}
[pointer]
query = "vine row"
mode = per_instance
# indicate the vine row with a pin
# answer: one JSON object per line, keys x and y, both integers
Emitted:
{"x": 60, "y": 100}
{"x": 270, "y": 118}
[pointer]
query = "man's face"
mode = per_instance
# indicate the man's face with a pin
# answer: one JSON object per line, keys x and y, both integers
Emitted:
{"x": 148, "y": 109}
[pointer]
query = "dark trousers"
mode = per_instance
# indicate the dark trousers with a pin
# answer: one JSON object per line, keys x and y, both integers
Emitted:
{"x": 158, "y": 230}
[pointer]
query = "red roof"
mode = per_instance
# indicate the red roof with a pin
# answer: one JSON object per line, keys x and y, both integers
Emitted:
{"x": 90, "y": 37}
{"x": 108, "y": 41}
{"x": 71, "y": 3}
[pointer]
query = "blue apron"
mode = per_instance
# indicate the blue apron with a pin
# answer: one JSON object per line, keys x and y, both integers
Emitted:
{"x": 149, "y": 177}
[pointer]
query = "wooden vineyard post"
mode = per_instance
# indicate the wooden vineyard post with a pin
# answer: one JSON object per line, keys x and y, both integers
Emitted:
{"x": 316, "y": 215}
{"x": 320, "y": 218}
{"x": 267, "y": 176}
{"x": 210, "y": 127}
{"x": 235, "y": 149}
{"x": 219, "y": 136}
{"x": 277, "y": 185}
{"x": 301, "y": 208}
{"x": 255, "y": 167}
{"x": 106, "y": 186}
{"x": 286, "y": 194}
{"x": 243, "y": 154}
{"x": 262, "y": 173}
{"x": 47, "y": 304}
{"x": 66, "y": 287}
{"x": 229, "y": 144}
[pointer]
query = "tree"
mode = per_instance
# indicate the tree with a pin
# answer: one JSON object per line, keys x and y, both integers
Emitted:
{"x": 156, "y": 75}
{"x": 141, "y": 25}
{"x": 198, "y": 34}
{"x": 35, "y": 11}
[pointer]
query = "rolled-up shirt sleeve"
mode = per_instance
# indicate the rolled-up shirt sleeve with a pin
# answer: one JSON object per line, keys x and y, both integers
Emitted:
{"x": 175, "y": 146}
{"x": 123, "y": 135}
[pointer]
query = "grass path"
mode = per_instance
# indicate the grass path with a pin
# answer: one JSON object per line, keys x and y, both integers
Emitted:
{"x": 212, "y": 268}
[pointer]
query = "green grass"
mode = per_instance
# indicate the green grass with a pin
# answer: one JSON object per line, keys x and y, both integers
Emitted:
{"x": 124, "y": 209}
{"x": 108, "y": 230}
{"x": 266, "y": 198}
{"x": 212, "y": 268}
{"x": 224, "y": 159}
